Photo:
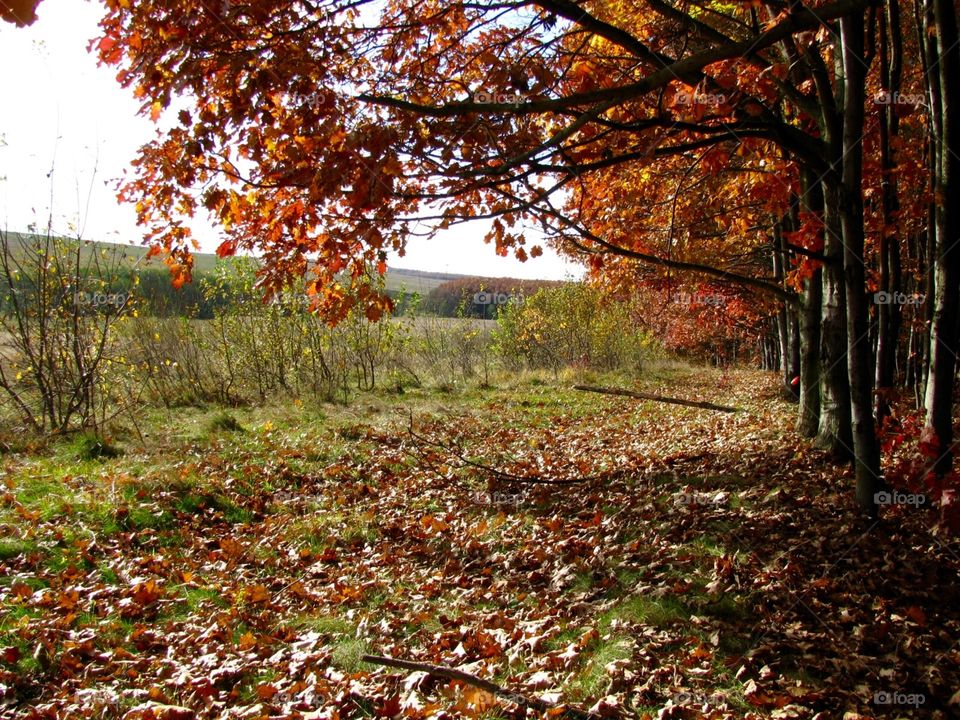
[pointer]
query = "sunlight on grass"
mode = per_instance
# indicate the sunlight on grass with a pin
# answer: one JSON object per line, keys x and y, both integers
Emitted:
{"x": 658, "y": 612}
{"x": 592, "y": 678}
{"x": 347, "y": 653}
{"x": 11, "y": 547}
{"x": 323, "y": 624}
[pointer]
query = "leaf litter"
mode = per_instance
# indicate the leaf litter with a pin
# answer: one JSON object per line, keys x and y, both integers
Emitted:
{"x": 711, "y": 566}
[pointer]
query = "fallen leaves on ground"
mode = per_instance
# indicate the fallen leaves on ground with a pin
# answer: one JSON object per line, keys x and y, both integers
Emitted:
{"x": 718, "y": 570}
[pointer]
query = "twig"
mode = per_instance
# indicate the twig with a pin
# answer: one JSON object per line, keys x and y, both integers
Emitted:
{"x": 655, "y": 398}
{"x": 470, "y": 679}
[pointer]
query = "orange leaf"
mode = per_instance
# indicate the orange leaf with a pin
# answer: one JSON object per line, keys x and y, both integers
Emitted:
{"x": 266, "y": 691}
{"x": 227, "y": 248}
{"x": 258, "y": 594}
{"x": 247, "y": 641}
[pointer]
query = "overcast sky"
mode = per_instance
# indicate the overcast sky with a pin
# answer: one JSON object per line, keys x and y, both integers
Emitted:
{"x": 62, "y": 112}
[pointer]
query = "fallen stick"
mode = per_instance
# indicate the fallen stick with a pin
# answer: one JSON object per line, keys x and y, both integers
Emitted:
{"x": 655, "y": 398}
{"x": 469, "y": 679}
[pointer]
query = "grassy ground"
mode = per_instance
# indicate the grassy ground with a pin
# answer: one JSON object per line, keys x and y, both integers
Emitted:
{"x": 677, "y": 563}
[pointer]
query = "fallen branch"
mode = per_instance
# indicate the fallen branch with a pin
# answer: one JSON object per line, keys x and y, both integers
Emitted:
{"x": 478, "y": 682}
{"x": 655, "y": 398}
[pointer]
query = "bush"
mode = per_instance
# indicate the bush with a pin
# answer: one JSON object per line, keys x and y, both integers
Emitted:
{"x": 61, "y": 301}
{"x": 572, "y": 325}
{"x": 251, "y": 349}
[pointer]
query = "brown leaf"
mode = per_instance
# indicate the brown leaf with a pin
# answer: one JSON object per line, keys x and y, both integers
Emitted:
{"x": 266, "y": 691}
{"x": 156, "y": 711}
{"x": 257, "y": 594}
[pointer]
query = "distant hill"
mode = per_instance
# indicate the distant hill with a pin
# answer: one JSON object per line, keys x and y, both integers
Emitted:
{"x": 422, "y": 282}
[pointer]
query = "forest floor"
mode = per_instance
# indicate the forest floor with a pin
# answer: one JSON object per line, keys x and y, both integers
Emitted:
{"x": 698, "y": 564}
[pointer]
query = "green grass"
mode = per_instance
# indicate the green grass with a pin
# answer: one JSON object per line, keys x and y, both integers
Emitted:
{"x": 143, "y": 518}
{"x": 224, "y": 422}
{"x": 347, "y": 653}
{"x": 591, "y": 678}
{"x": 11, "y": 547}
{"x": 312, "y": 532}
{"x": 564, "y": 638}
{"x": 206, "y": 468}
{"x": 324, "y": 624}
{"x": 13, "y": 620}
{"x": 90, "y": 446}
{"x": 247, "y": 690}
{"x": 707, "y": 546}
{"x": 728, "y": 607}
{"x": 196, "y": 503}
{"x": 657, "y": 612}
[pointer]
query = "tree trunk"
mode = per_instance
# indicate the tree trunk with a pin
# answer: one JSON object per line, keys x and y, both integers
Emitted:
{"x": 834, "y": 432}
{"x": 889, "y": 313}
{"x": 809, "y": 312}
{"x": 808, "y": 417}
{"x": 859, "y": 360}
{"x": 786, "y": 318}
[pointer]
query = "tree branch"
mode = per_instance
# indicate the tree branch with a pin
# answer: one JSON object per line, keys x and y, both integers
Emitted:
{"x": 470, "y": 679}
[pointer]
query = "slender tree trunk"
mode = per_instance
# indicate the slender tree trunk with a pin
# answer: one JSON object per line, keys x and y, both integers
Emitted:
{"x": 888, "y": 313}
{"x": 786, "y": 317}
{"x": 809, "y": 314}
{"x": 859, "y": 356}
{"x": 808, "y": 417}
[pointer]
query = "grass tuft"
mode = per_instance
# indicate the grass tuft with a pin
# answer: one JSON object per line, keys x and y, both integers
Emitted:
{"x": 224, "y": 422}
{"x": 90, "y": 446}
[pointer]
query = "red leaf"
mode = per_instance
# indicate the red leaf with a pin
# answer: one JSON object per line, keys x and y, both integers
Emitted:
{"x": 227, "y": 248}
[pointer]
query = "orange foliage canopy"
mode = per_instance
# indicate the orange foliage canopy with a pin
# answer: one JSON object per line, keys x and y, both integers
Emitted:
{"x": 321, "y": 135}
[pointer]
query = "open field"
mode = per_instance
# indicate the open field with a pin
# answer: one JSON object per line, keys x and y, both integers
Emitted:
{"x": 698, "y": 564}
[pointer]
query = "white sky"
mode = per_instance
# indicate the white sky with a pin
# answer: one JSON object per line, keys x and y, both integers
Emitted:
{"x": 61, "y": 111}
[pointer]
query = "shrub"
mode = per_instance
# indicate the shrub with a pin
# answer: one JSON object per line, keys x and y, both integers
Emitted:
{"x": 572, "y": 325}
